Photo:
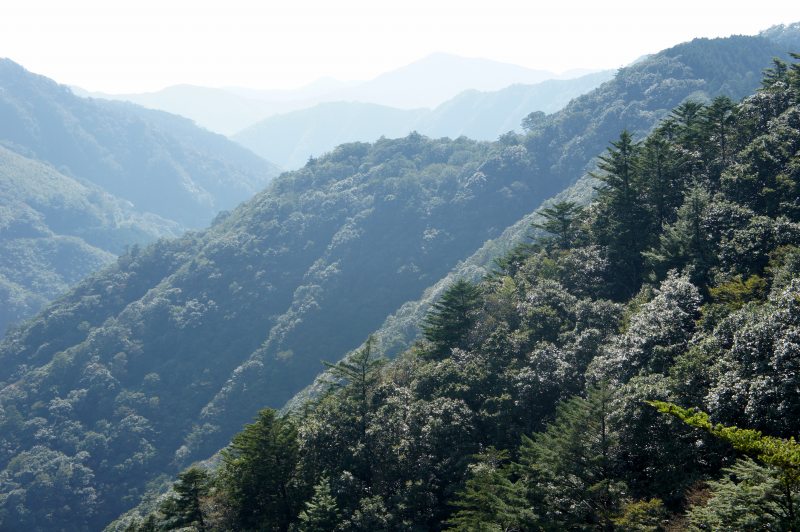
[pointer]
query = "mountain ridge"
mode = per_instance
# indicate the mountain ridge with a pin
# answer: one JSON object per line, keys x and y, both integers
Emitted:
{"x": 207, "y": 328}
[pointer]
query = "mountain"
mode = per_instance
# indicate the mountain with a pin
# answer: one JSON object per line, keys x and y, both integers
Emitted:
{"x": 81, "y": 180}
{"x": 290, "y": 139}
{"x": 160, "y": 359}
{"x": 424, "y": 83}
{"x": 217, "y": 110}
{"x": 55, "y": 230}
{"x": 437, "y": 78}
{"x": 161, "y": 163}
{"x": 561, "y": 391}
{"x": 485, "y": 115}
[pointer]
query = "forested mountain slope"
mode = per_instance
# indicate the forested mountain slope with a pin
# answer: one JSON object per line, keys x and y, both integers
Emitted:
{"x": 161, "y": 358}
{"x": 56, "y": 230}
{"x": 80, "y": 180}
{"x": 162, "y": 163}
{"x": 528, "y": 403}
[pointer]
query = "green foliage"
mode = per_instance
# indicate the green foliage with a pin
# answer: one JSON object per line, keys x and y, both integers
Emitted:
{"x": 257, "y": 474}
{"x": 321, "y": 514}
{"x": 561, "y": 221}
{"x": 185, "y": 508}
{"x": 622, "y": 222}
{"x": 783, "y": 454}
{"x": 573, "y": 466}
{"x": 747, "y": 497}
{"x": 490, "y": 500}
{"x": 451, "y": 318}
{"x": 642, "y": 516}
{"x": 159, "y": 360}
{"x": 735, "y": 293}
{"x": 538, "y": 349}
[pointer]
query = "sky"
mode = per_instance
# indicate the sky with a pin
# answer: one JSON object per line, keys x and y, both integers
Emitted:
{"x": 123, "y": 46}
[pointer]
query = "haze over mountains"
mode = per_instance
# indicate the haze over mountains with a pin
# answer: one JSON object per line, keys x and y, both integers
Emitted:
{"x": 426, "y": 83}
{"x": 290, "y": 139}
{"x": 158, "y": 360}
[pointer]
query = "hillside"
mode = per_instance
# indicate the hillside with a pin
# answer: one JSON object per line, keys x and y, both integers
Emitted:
{"x": 290, "y": 139}
{"x": 560, "y": 391}
{"x": 161, "y": 163}
{"x": 158, "y": 361}
{"x": 81, "y": 180}
{"x": 55, "y": 230}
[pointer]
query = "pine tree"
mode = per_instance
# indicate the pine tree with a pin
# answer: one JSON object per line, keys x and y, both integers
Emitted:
{"x": 560, "y": 220}
{"x": 321, "y": 513}
{"x": 747, "y": 497}
{"x": 356, "y": 377}
{"x": 490, "y": 501}
{"x": 718, "y": 121}
{"x": 622, "y": 223}
{"x": 257, "y": 472}
{"x": 570, "y": 468}
{"x": 448, "y": 324}
{"x": 779, "y": 453}
{"x": 191, "y": 486}
{"x": 661, "y": 182}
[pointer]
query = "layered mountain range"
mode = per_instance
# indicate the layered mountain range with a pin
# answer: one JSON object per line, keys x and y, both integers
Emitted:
{"x": 81, "y": 180}
{"x": 159, "y": 359}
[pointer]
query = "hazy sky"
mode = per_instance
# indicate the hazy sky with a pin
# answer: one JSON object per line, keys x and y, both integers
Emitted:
{"x": 135, "y": 45}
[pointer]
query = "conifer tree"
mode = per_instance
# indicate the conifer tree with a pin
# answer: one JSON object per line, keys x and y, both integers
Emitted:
{"x": 622, "y": 222}
{"x": 718, "y": 122}
{"x": 448, "y": 323}
{"x": 686, "y": 243}
{"x": 490, "y": 501}
{"x": 257, "y": 473}
{"x": 191, "y": 486}
{"x": 779, "y": 453}
{"x": 356, "y": 377}
{"x": 321, "y": 513}
{"x": 571, "y": 469}
{"x": 661, "y": 181}
{"x": 560, "y": 220}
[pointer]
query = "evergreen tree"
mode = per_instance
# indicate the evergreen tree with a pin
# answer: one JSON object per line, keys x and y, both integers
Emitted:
{"x": 321, "y": 513}
{"x": 686, "y": 243}
{"x": 661, "y": 179}
{"x": 357, "y": 376}
{"x": 778, "y": 453}
{"x": 560, "y": 220}
{"x": 191, "y": 487}
{"x": 622, "y": 222}
{"x": 747, "y": 497}
{"x": 571, "y": 468}
{"x": 257, "y": 472}
{"x": 490, "y": 501}
{"x": 717, "y": 122}
{"x": 448, "y": 323}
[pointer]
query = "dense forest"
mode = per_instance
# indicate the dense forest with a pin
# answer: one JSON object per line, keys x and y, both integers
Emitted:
{"x": 158, "y": 361}
{"x": 540, "y": 397}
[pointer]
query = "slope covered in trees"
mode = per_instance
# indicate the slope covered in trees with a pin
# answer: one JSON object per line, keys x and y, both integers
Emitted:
{"x": 56, "y": 230}
{"x": 529, "y": 404}
{"x": 161, "y": 163}
{"x": 161, "y": 359}
{"x": 82, "y": 179}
